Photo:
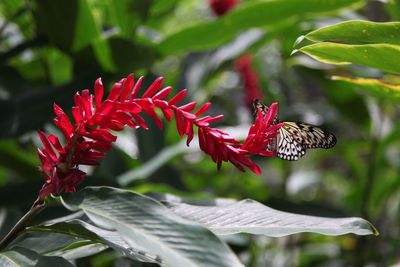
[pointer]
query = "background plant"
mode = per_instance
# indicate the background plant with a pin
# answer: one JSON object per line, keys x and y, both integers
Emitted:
{"x": 45, "y": 59}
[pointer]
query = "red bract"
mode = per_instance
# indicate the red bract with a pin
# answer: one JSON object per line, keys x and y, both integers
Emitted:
{"x": 220, "y": 7}
{"x": 249, "y": 76}
{"x": 89, "y": 136}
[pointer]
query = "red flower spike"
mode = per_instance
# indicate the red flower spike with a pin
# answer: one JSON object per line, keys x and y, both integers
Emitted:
{"x": 78, "y": 104}
{"x": 179, "y": 123}
{"x": 209, "y": 119}
{"x": 86, "y": 103}
{"x": 155, "y": 117}
{"x": 153, "y": 88}
{"x": 57, "y": 110}
{"x": 188, "y": 107}
{"x": 89, "y": 136}
{"x": 136, "y": 87}
{"x": 106, "y": 107}
{"x": 177, "y": 98}
{"x": 76, "y": 114}
{"x": 249, "y": 76}
{"x": 167, "y": 114}
{"x": 127, "y": 86}
{"x": 55, "y": 142}
{"x": 47, "y": 146}
{"x": 162, "y": 104}
{"x": 188, "y": 115}
{"x": 163, "y": 93}
{"x": 190, "y": 134}
{"x": 46, "y": 163}
{"x": 130, "y": 107}
{"x": 113, "y": 125}
{"x": 202, "y": 139}
{"x": 115, "y": 91}
{"x": 220, "y": 7}
{"x": 98, "y": 92}
{"x": 203, "y": 109}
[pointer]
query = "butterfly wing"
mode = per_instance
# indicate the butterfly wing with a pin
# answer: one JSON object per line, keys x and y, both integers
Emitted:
{"x": 295, "y": 137}
{"x": 257, "y": 105}
{"x": 289, "y": 147}
{"x": 310, "y": 136}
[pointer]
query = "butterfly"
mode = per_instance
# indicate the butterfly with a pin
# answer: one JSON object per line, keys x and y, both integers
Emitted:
{"x": 294, "y": 138}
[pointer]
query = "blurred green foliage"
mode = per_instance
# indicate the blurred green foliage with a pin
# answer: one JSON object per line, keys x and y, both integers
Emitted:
{"x": 51, "y": 49}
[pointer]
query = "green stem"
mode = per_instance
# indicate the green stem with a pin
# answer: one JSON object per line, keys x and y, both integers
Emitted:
{"x": 21, "y": 224}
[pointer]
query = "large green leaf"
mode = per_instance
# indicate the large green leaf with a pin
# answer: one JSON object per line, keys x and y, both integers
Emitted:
{"x": 250, "y": 14}
{"x": 377, "y": 87}
{"x": 18, "y": 257}
{"x": 69, "y": 24}
{"x": 145, "y": 225}
{"x": 70, "y": 244}
{"x": 380, "y": 56}
{"x": 365, "y": 43}
{"x": 114, "y": 54}
{"x": 58, "y": 67}
{"x": 98, "y": 236}
{"x": 225, "y": 216}
{"x": 358, "y": 32}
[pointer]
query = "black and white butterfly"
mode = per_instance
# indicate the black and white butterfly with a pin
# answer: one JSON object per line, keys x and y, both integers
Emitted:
{"x": 294, "y": 138}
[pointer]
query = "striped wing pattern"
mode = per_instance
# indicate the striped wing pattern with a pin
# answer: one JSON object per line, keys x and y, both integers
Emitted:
{"x": 295, "y": 138}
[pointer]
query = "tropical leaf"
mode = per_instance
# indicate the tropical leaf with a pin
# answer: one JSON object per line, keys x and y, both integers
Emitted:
{"x": 70, "y": 25}
{"x": 147, "y": 226}
{"x": 369, "y": 44}
{"x": 374, "y": 86}
{"x": 98, "y": 238}
{"x": 24, "y": 257}
{"x": 248, "y": 15}
{"x": 358, "y": 32}
{"x": 249, "y": 216}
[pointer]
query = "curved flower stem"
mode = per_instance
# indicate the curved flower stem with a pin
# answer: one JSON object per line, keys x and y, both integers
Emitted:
{"x": 21, "y": 224}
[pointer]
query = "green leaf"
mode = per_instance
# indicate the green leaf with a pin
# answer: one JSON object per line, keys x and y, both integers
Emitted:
{"x": 248, "y": 216}
{"x": 250, "y": 14}
{"x": 365, "y": 43}
{"x": 377, "y": 87}
{"x": 15, "y": 158}
{"x": 79, "y": 250}
{"x": 145, "y": 225}
{"x": 125, "y": 15}
{"x": 358, "y": 32}
{"x": 380, "y": 56}
{"x": 45, "y": 242}
{"x": 162, "y": 7}
{"x": 17, "y": 12}
{"x": 114, "y": 54}
{"x": 70, "y": 241}
{"x": 69, "y": 24}
{"x": 59, "y": 66}
{"x": 24, "y": 257}
{"x": 111, "y": 238}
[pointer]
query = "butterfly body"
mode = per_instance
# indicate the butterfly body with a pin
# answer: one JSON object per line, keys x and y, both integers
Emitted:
{"x": 294, "y": 138}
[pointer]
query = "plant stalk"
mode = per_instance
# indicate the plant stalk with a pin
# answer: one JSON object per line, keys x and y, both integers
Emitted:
{"x": 21, "y": 224}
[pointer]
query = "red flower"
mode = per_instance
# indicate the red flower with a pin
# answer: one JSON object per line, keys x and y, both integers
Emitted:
{"x": 88, "y": 138}
{"x": 220, "y": 7}
{"x": 262, "y": 132}
{"x": 249, "y": 76}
